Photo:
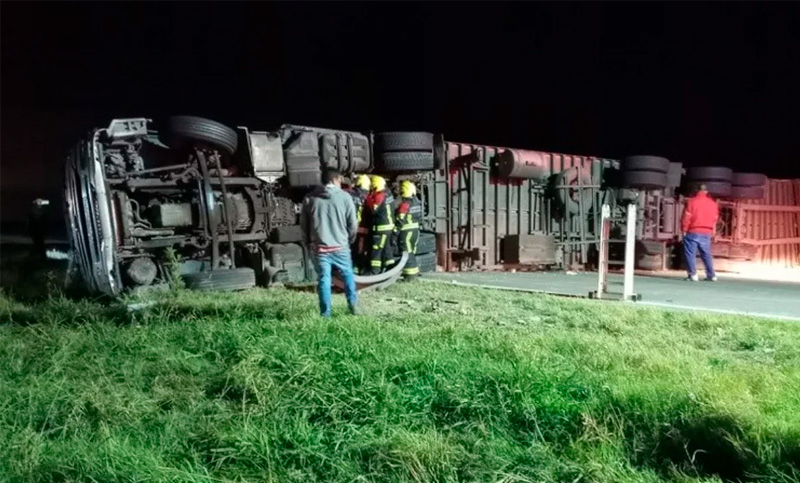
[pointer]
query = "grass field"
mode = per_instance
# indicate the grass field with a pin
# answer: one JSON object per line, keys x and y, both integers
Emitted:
{"x": 434, "y": 383}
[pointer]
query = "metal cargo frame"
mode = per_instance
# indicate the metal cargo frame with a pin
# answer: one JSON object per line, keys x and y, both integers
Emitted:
{"x": 770, "y": 227}
{"x": 472, "y": 209}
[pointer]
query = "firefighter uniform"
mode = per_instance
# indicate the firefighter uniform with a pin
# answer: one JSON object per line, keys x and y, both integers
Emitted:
{"x": 409, "y": 213}
{"x": 379, "y": 214}
{"x": 359, "y": 248}
{"x": 359, "y": 194}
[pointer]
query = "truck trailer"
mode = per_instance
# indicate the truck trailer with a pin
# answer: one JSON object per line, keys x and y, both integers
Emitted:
{"x": 219, "y": 206}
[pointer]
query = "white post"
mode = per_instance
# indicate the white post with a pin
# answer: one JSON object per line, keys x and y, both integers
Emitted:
{"x": 630, "y": 251}
{"x": 602, "y": 265}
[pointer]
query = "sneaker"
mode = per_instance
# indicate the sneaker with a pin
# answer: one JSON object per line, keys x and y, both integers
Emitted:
{"x": 711, "y": 279}
{"x": 692, "y": 278}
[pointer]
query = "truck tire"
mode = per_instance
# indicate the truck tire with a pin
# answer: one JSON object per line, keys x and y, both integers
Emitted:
{"x": 386, "y": 142}
{"x": 426, "y": 243}
{"x": 645, "y": 180}
{"x": 674, "y": 175}
{"x": 439, "y": 152}
{"x": 719, "y": 189}
{"x": 749, "y": 179}
{"x": 183, "y": 131}
{"x": 714, "y": 173}
{"x": 426, "y": 262}
{"x": 650, "y": 262}
{"x": 222, "y": 280}
{"x": 649, "y": 248}
{"x": 748, "y": 192}
{"x": 646, "y": 163}
{"x": 405, "y": 161}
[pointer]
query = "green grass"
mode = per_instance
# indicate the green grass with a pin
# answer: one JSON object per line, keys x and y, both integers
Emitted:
{"x": 435, "y": 383}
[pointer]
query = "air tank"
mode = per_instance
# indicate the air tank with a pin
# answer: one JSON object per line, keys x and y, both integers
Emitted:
{"x": 519, "y": 163}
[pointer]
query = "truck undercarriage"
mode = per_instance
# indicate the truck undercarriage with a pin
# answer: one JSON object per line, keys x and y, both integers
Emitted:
{"x": 215, "y": 205}
{"x": 219, "y": 206}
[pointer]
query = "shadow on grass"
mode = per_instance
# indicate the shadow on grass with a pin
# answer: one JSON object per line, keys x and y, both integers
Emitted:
{"x": 67, "y": 312}
{"x": 233, "y": 308}
{"x": 37, "y": 291}
{"x": 703, "y": 444}
{"x": 708, "y": 445}
{"x": 32, "y": 280}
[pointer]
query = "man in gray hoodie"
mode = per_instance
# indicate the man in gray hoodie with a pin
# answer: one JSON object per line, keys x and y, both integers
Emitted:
{"x": 329, "y": 226}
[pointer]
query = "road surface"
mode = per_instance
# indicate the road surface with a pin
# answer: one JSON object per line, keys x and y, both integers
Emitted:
{"x": 759, "y": 298}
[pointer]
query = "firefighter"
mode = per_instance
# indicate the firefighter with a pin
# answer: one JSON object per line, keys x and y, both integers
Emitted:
{"x": 379, "y": 218}
{"x": 359, "y": 194}
{"x": 408, "y": 215}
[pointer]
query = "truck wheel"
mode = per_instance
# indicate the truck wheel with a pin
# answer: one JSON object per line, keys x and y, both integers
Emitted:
{"x": 403, "y": 141}
{"x": 748, "y": 192}
{"x": 715, "y": 173}
{"x": 749, "y": 179}
{"x": 439, "y": 151}
{"x": 647, "y": 247}
{"x": 646, "y": 180}
{"x": 674, "y": 175}
{"x": 426, "y": 262}
{"x": 405, "y": 161}
{"x": 426, "y": 243}
{"x": 720, "y": 189}
{"x": 650, "y": 262}
{"x": 183, "y": 131}
{"x": 222, "y": 280}
{"x": 646, "y": 163}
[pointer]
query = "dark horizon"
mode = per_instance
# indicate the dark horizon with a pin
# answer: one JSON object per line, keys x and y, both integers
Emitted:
{"x": 702, "y": 83}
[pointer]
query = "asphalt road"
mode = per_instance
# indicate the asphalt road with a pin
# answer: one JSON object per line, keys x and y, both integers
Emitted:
{"x": 759, "y": 298}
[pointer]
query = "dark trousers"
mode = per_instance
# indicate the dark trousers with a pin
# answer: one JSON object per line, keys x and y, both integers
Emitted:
{"x": 381, "y": 256}
{"x": 408, "y": 244}
{"x": 361, "y": 252}
{"x": 692, "y": 243}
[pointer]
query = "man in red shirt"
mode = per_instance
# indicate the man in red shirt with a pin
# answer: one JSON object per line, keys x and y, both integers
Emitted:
{"x": 698, "y": 225}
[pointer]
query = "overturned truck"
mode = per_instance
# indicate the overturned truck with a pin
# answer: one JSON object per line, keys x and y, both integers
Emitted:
{"x": 219, "y": 206}
{"x": 214, "y": 205}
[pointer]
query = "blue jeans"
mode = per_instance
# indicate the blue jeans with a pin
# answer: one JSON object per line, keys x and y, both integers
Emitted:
{"x": 693, "y": 242}
{"x": 342, "y": 262}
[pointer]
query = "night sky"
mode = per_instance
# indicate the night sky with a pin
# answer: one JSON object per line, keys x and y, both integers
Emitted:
{"x": 706, "y": 84}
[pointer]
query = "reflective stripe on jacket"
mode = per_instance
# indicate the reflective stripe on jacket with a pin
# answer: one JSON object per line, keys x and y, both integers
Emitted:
{"x": 379, "y": 208}
{"x": 408, "y": 214}
{"x": 359, "y": 197}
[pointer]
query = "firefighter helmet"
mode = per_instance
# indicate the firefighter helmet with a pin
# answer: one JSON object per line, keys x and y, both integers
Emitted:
{"x": 378, "y": 183}
{"x": 407, "y": 189}
{"x": 362, "y": 181}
